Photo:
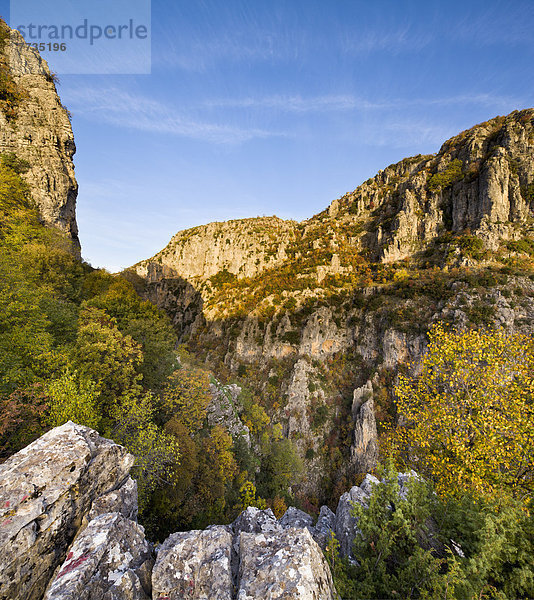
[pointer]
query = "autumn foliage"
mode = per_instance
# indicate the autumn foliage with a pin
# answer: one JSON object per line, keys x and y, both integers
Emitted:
{"x": 467, "y": 418}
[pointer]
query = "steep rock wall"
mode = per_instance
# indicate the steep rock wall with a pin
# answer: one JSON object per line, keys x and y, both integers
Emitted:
{"x": 37, "y": 129}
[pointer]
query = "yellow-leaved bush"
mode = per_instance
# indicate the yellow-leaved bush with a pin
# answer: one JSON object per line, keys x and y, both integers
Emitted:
{"x": 466, "y": 419}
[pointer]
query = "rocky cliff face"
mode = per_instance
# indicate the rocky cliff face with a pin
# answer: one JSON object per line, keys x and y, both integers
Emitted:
{"x": 35, "y": 126}
{"x": 242, "y": 248}
{"x": 479, "y": 182}
{"x": 307, "y": 313}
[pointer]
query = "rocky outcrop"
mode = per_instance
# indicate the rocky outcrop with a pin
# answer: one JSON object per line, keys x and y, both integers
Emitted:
{"x": 346, "y": 526}
{"x": 224, "y": 251}
{"x": 68, "y": 532}
{"x": 478, "y": 182}
{"x": 122, "y": 500}
{"x": 364, "y": 448}
{"x": 195, "y": 565}
{"x": 46, "y": 489}
{"x": 325, "y": 526}
{"x": 110, "y": 559}
{"x": 279, "y": 559}
{"x": 286, "y": 565}
{"x": 224, "y": 409}
{"x": 293, "y": 517}
{"x": 39, "y": 131}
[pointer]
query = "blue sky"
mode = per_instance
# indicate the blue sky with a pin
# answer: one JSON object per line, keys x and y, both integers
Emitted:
{"x": 278, "y": 107}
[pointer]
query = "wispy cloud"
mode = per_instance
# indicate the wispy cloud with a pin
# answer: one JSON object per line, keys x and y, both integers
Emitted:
{"x": 406, "y": 132}
{"x": 296, "y": 104}
{"x": 376, "y": 40}
{"x": 495, "y": 26}
{"x": 201, "y": 55}
{"x": 133, "y": 111}
{"x": 299, "y": 104}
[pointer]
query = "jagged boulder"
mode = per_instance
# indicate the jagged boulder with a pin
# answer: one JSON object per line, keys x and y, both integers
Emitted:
{"x": 326, "y": 524}
{"x": 68, "y": 532}
{"x": 364, "y": 448}
{"x": 46, "y": 489}
{"x": 122, "y": 500}
{"x": 293, "y": 517}
{"x": 283, "y": 565}
{"x": 254, "y": 520}
{"x": 110, "y": 560}
{"x": 194, "y": 565}
{"x": 346, "y": 527}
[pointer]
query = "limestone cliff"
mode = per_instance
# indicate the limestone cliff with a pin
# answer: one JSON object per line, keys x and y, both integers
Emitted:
{"x": 35, "y": 126}
{"x": 307, "y": 313}
{"x": 480, "y": 182}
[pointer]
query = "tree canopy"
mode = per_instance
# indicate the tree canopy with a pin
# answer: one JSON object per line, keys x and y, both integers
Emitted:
{"x": 466, "y": 419}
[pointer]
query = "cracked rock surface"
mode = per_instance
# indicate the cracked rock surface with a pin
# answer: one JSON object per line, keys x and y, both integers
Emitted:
{"x": 45, "y": 491}
{"x": 195, "y": 565}
{"x": 283, "y": 565}
{"x": 68, "y": 532}
{"x": 110, "y": 560}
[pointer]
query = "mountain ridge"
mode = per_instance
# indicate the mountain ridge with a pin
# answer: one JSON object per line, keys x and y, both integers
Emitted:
{"x": 418, "y": 184}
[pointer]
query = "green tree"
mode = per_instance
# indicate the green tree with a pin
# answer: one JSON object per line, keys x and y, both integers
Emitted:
{"x": 186, "y": 397}
{"x": 22, "y": 418}
{"x": 416, "y": 544}
{"x": 144, "y": 322}
{"x": 72, "y": 399}
{"x": 281, "y": 467}
{"x": 107, "y": 357}
{"x": 156, "y": 452}
{"x": 392, "y": 561}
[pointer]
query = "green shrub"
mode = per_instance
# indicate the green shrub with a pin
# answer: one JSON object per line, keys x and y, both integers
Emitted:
{"x": 528, "y": 192}
{"x": 291, "y": 337}
{"x": 421, "y": 546}
{"x": 470, "y": 245}
{"x": 444, "y": 179}
{"x": 222, "y": 277}
{"x": 523, "y": 246}
{"x": 320, "y": 416}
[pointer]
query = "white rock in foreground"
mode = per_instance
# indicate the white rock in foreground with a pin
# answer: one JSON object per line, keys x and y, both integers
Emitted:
{"x": 194, "y": 565}
{"x": 285, "y": 565}
{"x": 46, "y": 489}
{"x": 110, "y": 560}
